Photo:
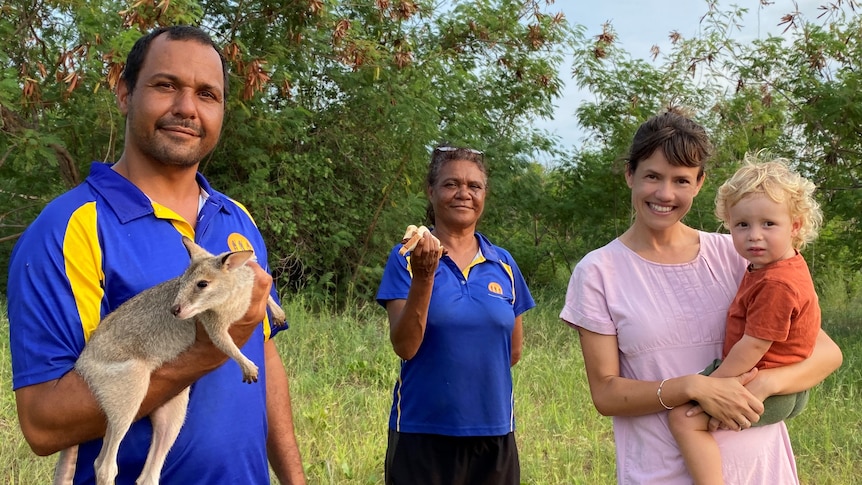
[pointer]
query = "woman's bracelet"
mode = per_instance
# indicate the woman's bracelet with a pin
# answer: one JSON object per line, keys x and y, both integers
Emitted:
{"x": 658, "y": 393}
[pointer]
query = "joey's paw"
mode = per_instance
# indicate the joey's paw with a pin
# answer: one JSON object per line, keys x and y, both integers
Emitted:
{"x": 279, "y": 319}
{"x": 249, "y": 374}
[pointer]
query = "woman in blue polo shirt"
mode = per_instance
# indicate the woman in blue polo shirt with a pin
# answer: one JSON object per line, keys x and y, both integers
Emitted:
{"x": 455, "y": 322}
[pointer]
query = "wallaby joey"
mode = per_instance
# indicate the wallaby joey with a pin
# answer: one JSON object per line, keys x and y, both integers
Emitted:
{"x": 150, "y": 329}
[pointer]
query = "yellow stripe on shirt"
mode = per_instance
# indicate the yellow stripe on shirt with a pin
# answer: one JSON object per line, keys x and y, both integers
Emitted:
{"x": 181, "y": 225}
{"x": 83, "y": 256}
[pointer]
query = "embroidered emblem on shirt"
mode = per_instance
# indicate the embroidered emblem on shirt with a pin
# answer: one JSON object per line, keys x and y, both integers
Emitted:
{"x": 238, "y": 242}
{"x": 495, "y": 288}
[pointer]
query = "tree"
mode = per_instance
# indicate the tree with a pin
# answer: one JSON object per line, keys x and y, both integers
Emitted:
{"x": 333, "y": 109}
{"x": 795, "y": 95}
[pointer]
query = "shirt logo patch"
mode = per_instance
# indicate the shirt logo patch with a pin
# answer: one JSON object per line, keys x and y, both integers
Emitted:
{"x": 495, "y": 288}
{"x": 238, "y": 242}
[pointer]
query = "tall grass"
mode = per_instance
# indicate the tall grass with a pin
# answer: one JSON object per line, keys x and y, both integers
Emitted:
{"x": 342, "y": 370}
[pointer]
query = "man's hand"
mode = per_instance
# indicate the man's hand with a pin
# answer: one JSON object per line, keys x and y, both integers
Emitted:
{"x": 242, "y": 329}
{"x": 257, "y": 308}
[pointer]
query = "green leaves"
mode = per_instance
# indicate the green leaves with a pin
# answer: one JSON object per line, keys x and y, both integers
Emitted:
{"x": 334, "y": 107}
{"x": 797, "y": 96}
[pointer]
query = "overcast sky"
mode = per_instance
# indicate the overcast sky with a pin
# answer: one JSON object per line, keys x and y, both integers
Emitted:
{"x": 640, "y": 24}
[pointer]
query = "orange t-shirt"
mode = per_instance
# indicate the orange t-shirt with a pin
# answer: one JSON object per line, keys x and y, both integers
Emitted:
{"x": 777, "y": 303}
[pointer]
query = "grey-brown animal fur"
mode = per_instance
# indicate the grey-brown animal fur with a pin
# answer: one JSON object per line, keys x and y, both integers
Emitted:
{"x": 150, "y": 329}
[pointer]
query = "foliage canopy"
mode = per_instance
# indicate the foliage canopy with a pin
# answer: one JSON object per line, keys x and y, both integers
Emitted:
{"x": 334, "y": 106}
{"x": 332, "y": 109}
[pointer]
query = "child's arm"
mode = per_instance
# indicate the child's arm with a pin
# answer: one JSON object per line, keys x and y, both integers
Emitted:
{"x": 744, "y": 355}
{"x": 800, "y": 376}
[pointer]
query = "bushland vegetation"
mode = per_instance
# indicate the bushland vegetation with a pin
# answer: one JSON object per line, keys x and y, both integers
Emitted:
{"x": 334, "y": 106}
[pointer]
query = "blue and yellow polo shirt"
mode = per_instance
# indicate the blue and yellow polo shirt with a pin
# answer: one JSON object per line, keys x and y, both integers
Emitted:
{"x": 459, "y": 383}
{"x": 90, "y": 250}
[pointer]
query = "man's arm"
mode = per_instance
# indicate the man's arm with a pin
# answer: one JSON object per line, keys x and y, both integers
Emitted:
{"x": 56, "y": 414}
{"x": 281, "y": 445}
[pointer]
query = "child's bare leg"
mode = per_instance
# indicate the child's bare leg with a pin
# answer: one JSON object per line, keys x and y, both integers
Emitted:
{"x": 698, "y": 447}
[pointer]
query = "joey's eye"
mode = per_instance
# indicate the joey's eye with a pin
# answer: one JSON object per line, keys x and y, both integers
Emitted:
{"x": 202, "y": 284}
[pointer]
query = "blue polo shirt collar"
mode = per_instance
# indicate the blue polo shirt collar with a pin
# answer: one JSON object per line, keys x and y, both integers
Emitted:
{"x": 128, "y": 202}
{"x": 487, "y": 248}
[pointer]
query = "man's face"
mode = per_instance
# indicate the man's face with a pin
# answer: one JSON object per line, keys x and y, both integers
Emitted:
{"x": 175, "y": 114}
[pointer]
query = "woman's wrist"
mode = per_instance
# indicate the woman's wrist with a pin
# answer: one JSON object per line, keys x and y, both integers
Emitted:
{"x": 690, "y": 387}
{"x": 659, "y": 396}
{"x": 674, "y": 391}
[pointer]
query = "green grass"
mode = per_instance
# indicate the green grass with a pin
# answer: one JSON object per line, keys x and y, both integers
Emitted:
{"x": 342, "y": 369}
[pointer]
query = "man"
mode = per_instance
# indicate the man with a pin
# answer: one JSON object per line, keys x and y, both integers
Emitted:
{"x": 119, "y": 233}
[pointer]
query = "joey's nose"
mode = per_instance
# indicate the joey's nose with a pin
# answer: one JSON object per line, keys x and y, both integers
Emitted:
{"x": 175, "y": 310}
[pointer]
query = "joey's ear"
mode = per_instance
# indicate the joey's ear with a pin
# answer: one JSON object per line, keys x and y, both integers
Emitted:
{"x": 234, "y": 260}
{"x": 195, "y": 251}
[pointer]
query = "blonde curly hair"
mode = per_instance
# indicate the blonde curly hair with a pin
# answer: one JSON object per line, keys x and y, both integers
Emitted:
{"x": 781, "y": 184}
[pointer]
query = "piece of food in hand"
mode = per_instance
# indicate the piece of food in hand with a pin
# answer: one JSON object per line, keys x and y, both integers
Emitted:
{"x": 413, "y": 235}
{"x": 411, "y": 238}
{"x": 411, "y": 232}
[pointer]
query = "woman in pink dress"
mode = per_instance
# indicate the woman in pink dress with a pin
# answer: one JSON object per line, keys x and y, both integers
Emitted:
{"x": 650, "y": 308}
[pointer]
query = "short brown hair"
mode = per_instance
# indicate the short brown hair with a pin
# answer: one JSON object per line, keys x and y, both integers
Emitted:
{"x": 683, "y": 141}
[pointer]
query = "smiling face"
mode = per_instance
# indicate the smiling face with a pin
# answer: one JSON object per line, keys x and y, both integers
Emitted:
{"x": 662, "y": 193}
{"x": 175, "y": 113}
{"x": 762, "y": 229}
{"x": 458, "y": 196}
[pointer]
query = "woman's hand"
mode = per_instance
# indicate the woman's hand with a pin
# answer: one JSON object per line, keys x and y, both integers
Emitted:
{"x": 407, "y": 318}
{"x": 730, "y": 404}
{"x": 425, "y": 257}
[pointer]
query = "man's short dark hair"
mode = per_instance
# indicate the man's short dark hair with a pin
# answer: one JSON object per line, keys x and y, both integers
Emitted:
{"x": 174, "y": 32}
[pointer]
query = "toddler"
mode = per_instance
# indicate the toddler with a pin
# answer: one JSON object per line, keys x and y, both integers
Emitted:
{"x": 775, "y": 317}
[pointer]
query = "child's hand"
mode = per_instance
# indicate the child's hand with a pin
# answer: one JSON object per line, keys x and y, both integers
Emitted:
{"x": 715, "y": 424}
{"x": 760, "y": 387}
